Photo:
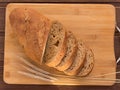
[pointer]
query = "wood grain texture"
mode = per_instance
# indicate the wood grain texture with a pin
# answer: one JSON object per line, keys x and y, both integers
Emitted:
{"x": 86, "y": 22}
{"x": 4, "y": 86}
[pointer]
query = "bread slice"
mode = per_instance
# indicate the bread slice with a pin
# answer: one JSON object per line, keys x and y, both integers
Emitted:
{"x": 56, "y": 45}
{"x": 71, "y": 46}
{"x": 78, "y": 60}
{"x": 31, "y": 29}
{"x": 88, "y": 65}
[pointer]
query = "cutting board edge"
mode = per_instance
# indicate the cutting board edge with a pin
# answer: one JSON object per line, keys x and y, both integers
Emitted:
{"x": 11, "y": 4}
{"x": 11, "y": 83}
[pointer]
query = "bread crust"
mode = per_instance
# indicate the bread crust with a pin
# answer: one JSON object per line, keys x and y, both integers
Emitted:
{"x": 31, "y": 29}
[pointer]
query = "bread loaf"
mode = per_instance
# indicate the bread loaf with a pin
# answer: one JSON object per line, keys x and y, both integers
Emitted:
{"x": 32, "y": 29}
{"x": 48, "y": 42}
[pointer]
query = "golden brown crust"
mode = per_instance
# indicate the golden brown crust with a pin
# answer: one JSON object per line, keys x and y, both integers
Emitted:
{"x": 32, "y": 30}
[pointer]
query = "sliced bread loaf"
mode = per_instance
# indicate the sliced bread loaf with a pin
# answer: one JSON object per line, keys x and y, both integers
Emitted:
{"x": 88, "y": 65}
{"x": 56, "y": 45}
{"x": 78, "y": 60}
{"x": 67, "y": 60}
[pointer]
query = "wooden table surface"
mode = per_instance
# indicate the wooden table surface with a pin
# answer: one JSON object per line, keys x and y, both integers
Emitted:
{"x": 4, "y": 86}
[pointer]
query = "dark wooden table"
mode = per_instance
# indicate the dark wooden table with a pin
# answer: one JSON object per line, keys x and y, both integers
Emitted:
{"x": 4, "y": 86}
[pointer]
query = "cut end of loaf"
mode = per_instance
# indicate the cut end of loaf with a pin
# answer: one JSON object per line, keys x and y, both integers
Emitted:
{"x": 55, "y": 47}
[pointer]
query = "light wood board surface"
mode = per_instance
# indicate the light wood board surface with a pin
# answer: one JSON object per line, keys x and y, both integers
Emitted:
{"x": 93, "y": 23}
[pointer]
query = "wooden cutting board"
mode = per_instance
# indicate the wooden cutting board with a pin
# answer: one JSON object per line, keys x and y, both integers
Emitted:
{"x": 93, "y": 23}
